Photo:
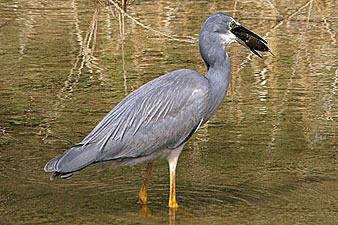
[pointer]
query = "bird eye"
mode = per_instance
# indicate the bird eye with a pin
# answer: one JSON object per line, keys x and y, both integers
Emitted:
{"x": 232, "y": 25}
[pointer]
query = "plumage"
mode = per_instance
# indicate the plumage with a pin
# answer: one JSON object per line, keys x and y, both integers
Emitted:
{"x": 156, "y": 120}
{"x": 160, "y": 114}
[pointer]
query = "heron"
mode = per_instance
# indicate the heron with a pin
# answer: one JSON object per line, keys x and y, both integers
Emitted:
{"x": 156, "y": 120}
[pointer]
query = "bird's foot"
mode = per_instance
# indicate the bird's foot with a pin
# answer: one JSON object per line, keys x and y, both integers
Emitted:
{"x": 145, "y": 211}
{"x": 173, "y": 204}
{"x": 142, "y": 197}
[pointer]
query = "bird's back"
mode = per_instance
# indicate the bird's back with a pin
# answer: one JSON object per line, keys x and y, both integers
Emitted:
{"x": 163, "y": 113}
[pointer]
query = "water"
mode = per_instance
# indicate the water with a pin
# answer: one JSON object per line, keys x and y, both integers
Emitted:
{"x": 269, "y": 156}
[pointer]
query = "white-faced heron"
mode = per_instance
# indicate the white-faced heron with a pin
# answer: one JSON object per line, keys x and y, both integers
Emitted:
{"x": 156, "y": 120}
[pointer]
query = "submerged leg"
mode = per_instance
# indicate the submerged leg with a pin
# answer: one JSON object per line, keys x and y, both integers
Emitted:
{"x": 172, "y": 159}
{"x": 172, "y": 216}
{"x": 142, "y": 195}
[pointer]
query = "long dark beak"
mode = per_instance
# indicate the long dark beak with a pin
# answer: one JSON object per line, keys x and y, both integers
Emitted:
{"x": 250, "y": 40}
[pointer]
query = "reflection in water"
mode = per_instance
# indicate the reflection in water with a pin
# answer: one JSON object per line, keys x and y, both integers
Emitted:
{"x": 84, "y": 58}
{"x": 172, "y": 216}
{"x": 122, "y": 33}
{"x": 147, "y": 26}
{"x": 269, "y": 156}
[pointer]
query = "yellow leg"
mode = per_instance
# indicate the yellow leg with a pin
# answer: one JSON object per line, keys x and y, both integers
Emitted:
{"x": 172, "y": 195}
{"x": 142, "y": 195}
{"x": 172, "y": 159}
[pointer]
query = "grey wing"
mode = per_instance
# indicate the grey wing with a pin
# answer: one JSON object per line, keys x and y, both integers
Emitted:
{"x": 163, "y": 113}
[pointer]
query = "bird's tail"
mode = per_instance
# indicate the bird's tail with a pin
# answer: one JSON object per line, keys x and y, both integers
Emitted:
{"x": 51, "y": 166}
{"x": 71, "y": 161}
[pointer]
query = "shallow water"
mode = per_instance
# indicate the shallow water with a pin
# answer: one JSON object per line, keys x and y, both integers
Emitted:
{"x": 269, "y": 156}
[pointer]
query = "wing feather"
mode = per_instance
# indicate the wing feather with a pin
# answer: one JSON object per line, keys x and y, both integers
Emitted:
{"x": 162, "y": 113}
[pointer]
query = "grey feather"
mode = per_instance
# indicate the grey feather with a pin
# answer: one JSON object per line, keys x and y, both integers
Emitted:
{"x": 160, "y": 115}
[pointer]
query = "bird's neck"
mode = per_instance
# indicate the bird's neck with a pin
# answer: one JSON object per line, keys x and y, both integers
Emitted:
{"x": 218, "y": 75}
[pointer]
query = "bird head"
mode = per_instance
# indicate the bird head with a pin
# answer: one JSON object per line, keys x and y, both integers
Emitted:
{"x": 227, "y": 30}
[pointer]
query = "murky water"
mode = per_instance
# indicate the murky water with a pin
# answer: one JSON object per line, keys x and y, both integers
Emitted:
{"x": 269, "y": 156}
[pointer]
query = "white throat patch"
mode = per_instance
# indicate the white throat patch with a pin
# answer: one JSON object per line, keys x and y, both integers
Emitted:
{"x": 228, "y": 38}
